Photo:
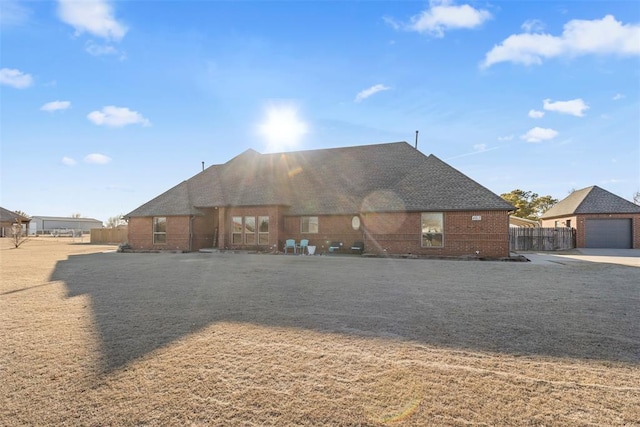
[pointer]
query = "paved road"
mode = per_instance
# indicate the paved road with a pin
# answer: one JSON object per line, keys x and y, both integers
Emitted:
{"x": 628, "y": 257}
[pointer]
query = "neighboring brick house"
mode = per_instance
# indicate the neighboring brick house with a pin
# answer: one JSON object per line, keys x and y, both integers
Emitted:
{"x": 8, "y": 218}
{"x": 390, "y": 196}
{"x": 601, "y": 219}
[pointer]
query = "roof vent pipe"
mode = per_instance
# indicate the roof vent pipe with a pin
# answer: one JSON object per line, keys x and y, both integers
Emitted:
{"x": 416, "y": 140}
{"x": 202, "y": 165}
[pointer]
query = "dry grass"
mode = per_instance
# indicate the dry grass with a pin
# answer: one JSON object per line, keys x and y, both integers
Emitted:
{"x": 53, "y": 345}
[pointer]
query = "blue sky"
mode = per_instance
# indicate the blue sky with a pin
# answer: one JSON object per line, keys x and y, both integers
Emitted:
{"x": 105, "y": 105}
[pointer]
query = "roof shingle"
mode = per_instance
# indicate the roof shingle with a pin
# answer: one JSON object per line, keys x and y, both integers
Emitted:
{"x": 591, "y": 200}
{"x": 381, "y": 177}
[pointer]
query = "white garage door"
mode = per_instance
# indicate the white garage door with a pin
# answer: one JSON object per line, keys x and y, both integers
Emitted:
{"x": 608, "y": 233}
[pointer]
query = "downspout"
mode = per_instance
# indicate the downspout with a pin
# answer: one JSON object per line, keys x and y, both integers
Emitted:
{"x": 191, "y": 232}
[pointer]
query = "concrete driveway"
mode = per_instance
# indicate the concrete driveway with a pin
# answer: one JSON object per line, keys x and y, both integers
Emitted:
{"x": 628, "y": 257}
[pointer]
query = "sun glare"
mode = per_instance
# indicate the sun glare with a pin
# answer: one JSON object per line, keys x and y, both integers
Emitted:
{"x": 282, "y": 128}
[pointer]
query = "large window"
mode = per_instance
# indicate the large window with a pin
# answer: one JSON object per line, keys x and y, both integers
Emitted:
{"x": 250, "y": 230}
{"x": 159, "y": 230}
{"x": 309, "y": 224}
{"x": 245, "y": 230}
{"x": 432, "y": 229}
{"x": 263, "y": 230}
{"x": 236, "y": 230}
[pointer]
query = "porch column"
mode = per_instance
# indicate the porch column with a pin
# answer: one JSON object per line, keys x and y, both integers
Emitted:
{"x": 222, "y": 228}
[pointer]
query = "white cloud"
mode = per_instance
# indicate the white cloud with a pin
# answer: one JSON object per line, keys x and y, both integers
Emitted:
{"x": 100, "y": 50}
{"x": 117, "y": 117}
{"x": 480, "y": 147}
{"x": 92, "y": 16}
{"x": 55, "y": 106}
{"x": 605, "y": 36}
{"x": 538, "y": 134}
{"x": 536, "y": 114}
{"x": 505, "y": 138}
{"x": 15, "y": 78}
{"x": 575, "y": 107}
{"x": 97, "y": 158}
{"x": 618, "y": 96}
{"x": 441, "y": 16}
{"x": 68, "y": 161}
{"x": 532, "y": 26}
{"x": 370, "y": 91}
{"x": 13, "y": 13}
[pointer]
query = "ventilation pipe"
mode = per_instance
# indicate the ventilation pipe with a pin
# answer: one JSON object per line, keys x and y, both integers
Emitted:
{"x": 202, "y": 165}
{"x": 416, "y": 140}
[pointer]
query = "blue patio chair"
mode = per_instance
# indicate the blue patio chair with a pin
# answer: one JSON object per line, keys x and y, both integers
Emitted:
{"x": 304, "y": 244}
{"x": 290, "y": 243}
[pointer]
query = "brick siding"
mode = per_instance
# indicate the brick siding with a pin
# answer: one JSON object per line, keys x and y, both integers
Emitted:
{"x": 390, "y": 233}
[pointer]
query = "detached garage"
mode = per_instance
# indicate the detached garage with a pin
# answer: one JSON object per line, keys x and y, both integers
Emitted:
{"x": 608, "y": 233}
{"x": 601, "y": 219}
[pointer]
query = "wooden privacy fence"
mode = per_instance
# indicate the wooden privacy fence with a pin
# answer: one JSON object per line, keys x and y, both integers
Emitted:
{"x": 541, "y": 238}
{"x": 108, "y": 235}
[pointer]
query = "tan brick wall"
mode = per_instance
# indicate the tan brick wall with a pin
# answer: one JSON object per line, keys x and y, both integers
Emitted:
{"x": 561, "y": 221}
{"x": 273, "y": 212}
{"x": 401, "y": 233}
{"x": 331, "y": 228}
{"x": 141, "y": 234}
{"x": 204, "y": 228}
{"x": 392, "y": 233}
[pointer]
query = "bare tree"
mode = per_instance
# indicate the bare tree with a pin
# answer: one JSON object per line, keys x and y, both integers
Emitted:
{"x": 115, "y": 221}
{"x": 636, "y": 197}
{"x": 23, "y": 214}
{"x": 75, "y": 215}
{"x": 18, "y": 236}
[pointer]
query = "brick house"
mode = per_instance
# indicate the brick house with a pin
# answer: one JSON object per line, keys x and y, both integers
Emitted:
{"x": 8, "y": 218}
{"x": 390, "y": 196}
{"x": 601, "y": 219}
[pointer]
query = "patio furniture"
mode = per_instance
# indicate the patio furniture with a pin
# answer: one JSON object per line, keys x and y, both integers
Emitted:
{"x": 335, "y": 246}
{"x": 290, "y": 243}
{"x": 304, "y": 244}
{"x": 357, "y": 247}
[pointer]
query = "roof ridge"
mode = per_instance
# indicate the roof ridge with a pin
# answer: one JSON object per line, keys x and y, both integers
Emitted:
{"x": 350, "y": 147}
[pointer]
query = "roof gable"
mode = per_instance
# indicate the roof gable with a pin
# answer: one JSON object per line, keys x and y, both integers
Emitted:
{"x": 7, "y": 215}
{"x": 174, "y": 201}
{"x": 591, "y": 200}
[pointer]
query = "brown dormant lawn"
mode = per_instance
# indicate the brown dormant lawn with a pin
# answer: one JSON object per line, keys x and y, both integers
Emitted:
{"x": 91, "y": 337}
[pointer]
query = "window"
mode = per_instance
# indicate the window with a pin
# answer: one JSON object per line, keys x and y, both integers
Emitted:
{"x": 263, "y": 230}
{"x": 159, "y": 230}
{"x": 569, "y": 223}
{"x": 250, "y": 230}
{"x": 309, "y": 224}
{"x": 355, "y": 222}
{"x": 236, "y": 230}
{"x": 244, "y": 230}
{"x": 432, "y": 229}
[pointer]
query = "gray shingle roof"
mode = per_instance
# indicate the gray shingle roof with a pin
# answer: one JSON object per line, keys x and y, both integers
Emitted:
{"x": 6, "y": 215}
{"x": 382, "y": 177}
{"x": 591, "y": 200}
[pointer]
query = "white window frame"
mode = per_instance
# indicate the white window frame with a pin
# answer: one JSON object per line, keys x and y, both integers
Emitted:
{"x": 262, "y": 234}
{"x": 431, "y": 231}
{"x": 157, "y": 234}
{"x": 310, "y": 221}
